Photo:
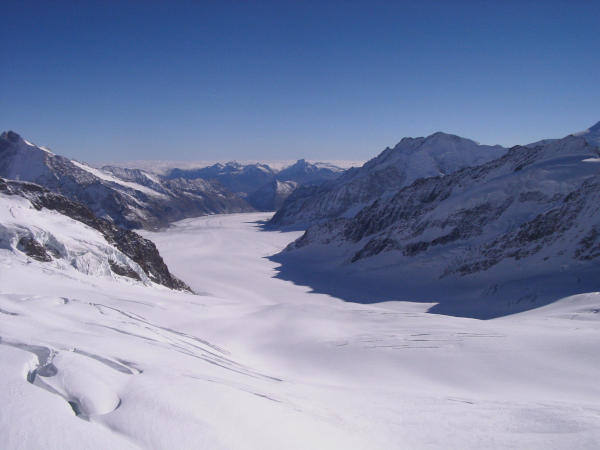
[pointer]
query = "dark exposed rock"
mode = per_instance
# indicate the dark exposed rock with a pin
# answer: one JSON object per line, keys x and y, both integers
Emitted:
{"x": 374, "y": 247}
{"x": 139, "y": 249}
{"x": 589, "y": 246}
{"x": 33, "y": 249}
{"x": 124, "y": 271}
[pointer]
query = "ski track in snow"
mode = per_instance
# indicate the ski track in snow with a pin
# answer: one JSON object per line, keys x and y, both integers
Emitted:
{"x": 258, "y": 362}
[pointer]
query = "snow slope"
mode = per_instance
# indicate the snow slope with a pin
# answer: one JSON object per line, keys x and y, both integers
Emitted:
{"x": 256, "y": 362}
{"x": 106, "y": 176}
{"x": 508, "y": 235}
{"x": 412, "y": 158}
{"x": 72, "y": 244}
{"x": 38, "y": 226}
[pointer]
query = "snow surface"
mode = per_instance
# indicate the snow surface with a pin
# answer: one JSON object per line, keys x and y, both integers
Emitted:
{"x": 103, "y": 175}
{"x": 256, "y": 362}
{"x": 31, "y": 144}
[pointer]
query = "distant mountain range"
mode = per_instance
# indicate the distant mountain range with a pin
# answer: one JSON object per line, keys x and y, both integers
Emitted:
{"x": 520, "y": 227}
{"x": 437, "y": 218}
{"x": 163, "y": 166}
{"x": 263, "y": 187}
{"x": 128, "y": 198}
{"x": 134, "y": 198}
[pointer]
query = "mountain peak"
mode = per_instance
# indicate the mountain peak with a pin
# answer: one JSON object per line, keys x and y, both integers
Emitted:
{"x": 10, "y": 136}
{"x": 300, "y": 163}
{"x": 442, "y": 134}
{"x": 595, "y": 128}
{"x": 13, "y": 139}
{"x": 591, "y": 135}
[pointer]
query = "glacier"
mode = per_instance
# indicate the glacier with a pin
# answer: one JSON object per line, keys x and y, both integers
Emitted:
{"x": 254, "y": 361}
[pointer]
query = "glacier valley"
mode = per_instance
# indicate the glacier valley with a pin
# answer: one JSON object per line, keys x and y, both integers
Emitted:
{"x": 253, "y": 361}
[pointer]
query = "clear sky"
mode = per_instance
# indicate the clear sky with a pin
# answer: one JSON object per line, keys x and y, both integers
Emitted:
{"x": 125, "y": 80}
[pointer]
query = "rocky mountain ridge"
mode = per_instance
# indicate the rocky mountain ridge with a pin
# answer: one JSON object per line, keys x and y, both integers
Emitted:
{"x": 410, "y": 159}
{"x": 130, "y": 198}
{"x": 532, "y": 214}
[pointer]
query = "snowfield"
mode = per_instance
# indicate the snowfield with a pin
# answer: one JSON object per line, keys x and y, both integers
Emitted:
{"x": 257, "y": 362}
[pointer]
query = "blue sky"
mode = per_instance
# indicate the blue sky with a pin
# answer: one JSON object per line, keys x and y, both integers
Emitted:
{"x": 129, "y": 80}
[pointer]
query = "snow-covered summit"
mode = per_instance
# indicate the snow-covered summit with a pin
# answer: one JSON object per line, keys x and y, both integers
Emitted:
{"x": 22, "y": 159}
{"x": 257, "y": 182}
{"x": 304, "y": 172}
{"x": 591, "y": 135}
{"x": 438, "y": 154}
{"x": 410, "y": 159}
{"x": 529, "y": 218}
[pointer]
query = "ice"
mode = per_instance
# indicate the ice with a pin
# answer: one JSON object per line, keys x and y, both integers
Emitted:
{"x": 76, "y": 247}
{"x": 259, "y": 362}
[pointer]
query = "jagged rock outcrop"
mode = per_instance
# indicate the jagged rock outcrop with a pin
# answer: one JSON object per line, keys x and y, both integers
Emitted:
{"x": 140, "y": 250}
{"x": 33, "y": 248}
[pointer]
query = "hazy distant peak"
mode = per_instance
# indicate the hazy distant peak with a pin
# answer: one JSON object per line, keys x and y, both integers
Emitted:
{"x": 596, "y": 128}
{"x": 591, "y": 135}
{"x": 10, "y": 136}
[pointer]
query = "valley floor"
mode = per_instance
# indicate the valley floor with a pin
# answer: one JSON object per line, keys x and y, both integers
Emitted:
{"x": 256, "y": 362}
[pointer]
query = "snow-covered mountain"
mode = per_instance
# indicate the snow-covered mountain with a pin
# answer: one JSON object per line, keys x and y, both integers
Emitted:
{"x": 304, "y": 172}
{"x": 53, "y": 230}
{"x": 532, "y": 215}
{"x": 271, "y": 196}
{"x": 394, "y": 168}
{"x": 263, "y": 186}
{"x": 129, "y": 197}
{"x": 239, "y": 178}
{"x": 591, "y": 135}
